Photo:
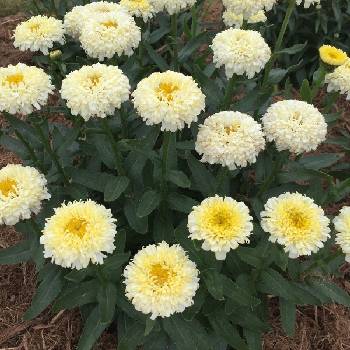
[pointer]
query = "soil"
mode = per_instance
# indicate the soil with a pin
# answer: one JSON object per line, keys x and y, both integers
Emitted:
{"x": 318, "y": 328}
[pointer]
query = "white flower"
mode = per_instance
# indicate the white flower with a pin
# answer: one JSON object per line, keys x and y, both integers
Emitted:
{"x": 222, "y": 223}
{"x": 171, "y": 99}
{"x": 295, "y": 126}
{"x": 109, "y": 34}
{"x": 232, "y": 139}
{"x": 139, "y": 8}
{"x": 38, "y": 34}
{"x": 95, "y": 91}
{"x": 248, "y": 8}
{"x": 339, "y": 80}
{"x": 22, "y": 189}
{"x": 240, "y": 52}
{"x": 23, "y": 88}
{"x": 296, "y": 222}
{"x": 79, "y": 232}
{"x": 173, "y": 6}
{"x": 342, "y": 226}
{"x": 161, "y": 280}
{"x": 73, "y": 21}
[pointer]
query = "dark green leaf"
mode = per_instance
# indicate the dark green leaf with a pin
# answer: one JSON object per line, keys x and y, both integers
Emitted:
{"x": 18, "y": 253}
{"x": 288, "y": 316}
{"x": 149, "y": 201}
{"x": 107, "y": 298}
{"x": 115, "y": 187}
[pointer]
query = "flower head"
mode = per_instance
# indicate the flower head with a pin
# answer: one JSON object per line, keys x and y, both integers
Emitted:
{"x": 339, "y": 80}
{"x": 171, "y": 99}
{"x": 95, "y": 91}
{"x": 333, "y": 56}
{"x": 22, "y": 189}
{"x": 240, "y": 52}
{"x": 231, "y": 19}
{"x": 23, "y": 88}
{"x": 173, "y": 6}
{"x": 39, "y": 34}
{"x": 248, "y": 8}
{"x": 296, "y": 222}
{"x": 161, "y": 280}
{"x": 295, "y": 126}
{"x": 342, "y": 226}
{"x": 109, "y": 34}
{"x": 79, "y": 232}
{"x": 222, "y": 223}
{"x": 139, "y": 8}
{"x": 232, "y": 139}
{"x": 73, "y": 21}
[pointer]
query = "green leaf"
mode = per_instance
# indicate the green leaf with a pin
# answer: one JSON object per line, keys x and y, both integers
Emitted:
{"x": 277, "y": 75}
{"x": 47, "y": 291}
{"x": 107, "y": 299}
{"x": 93, "y": 328}
{"x": 253, "y": 339}
{"x": 77, "y": 276}
{"x": 288, "y": 316}
{"x": 179, "y": 179}
{"x": 320, "y": 161}
{"x": 192, "y": 46}
{"x": 149, "y": 201}
{"x": 181, "y": 203}
{"x": 91, "y": 179}
{"x": 138, "y": 224}
{"x": 163, "y": 229}
{"x": 293, "y": 49}
{"x": 214, "y": 282}
{"x": 305, "y": 91}
{"x": 132, "y": 338}
{"x": 115, "y": 261}
{"x": 115, "y": 187}
{"x": 155, "y": 57}
{"x": 18, "y": 253}
{"x": 79, "y": 294}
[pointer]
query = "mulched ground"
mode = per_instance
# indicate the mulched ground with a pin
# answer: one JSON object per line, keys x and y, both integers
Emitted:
{"x": 318, "y": 328}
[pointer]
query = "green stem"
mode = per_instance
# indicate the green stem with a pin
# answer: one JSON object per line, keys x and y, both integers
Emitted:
{"x": 228, "y": 93}
{"x": 117, "y": 154}
{"x": 124, "y": 122}
{"x": 51, "y": 152}
{"x": 166, "y": 142}
{"x": 194, "y": 21}
{"x": 270, "y": 179}
{"x": 290, "y": 9}
{"x": 223, "y": 173}
{"x": 174, "y": 38}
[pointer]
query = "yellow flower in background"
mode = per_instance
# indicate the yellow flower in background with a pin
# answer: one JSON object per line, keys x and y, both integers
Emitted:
{"x": 342, "y": 226}
{"x": 22, "y": 190}
{"x": 240, "y": 52}
{"x": 39, "y": 33}
{"x": 139, "y": 8}
{"x": 333, "y": 56}
{"x": 77, "y": 233}
{"x": 171, "y": 99}
{"x": 296, "y": 222}
{"x": 222, "y": 223}
{"x": 95, "y": 91}
{"x": 23, "y": 88}
{"x": 161, "y": 280}
{"x": 232, "y": 139}
{"x": 294, "y": 125}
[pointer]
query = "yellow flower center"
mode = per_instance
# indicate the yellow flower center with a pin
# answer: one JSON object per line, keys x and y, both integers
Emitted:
{"x": 297, "y": 219}
{"x": 8, "y": 187}
{"x": 221, "y": 221}
{"x": 94, "y": 79}
{"x": 232, "y": 128}
{"x": 110, "y": 24}
{"x": 160, "y": 274}
{"x": 77, "y": 227}
{"x": 165, "y": 91}
{"x": 34, "y": 27}
{"x": 15, "y": 79}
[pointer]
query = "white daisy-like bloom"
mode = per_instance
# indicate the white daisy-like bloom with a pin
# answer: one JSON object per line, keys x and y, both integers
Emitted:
{"x": 222, "y": 223}
{"x": 232, "y": 139}
{"x": 240, "y": 52}
{"x": 161, "y": 280}
{"x": 308, "y": 3}
{"x": 22, "y": 190}
{"x": 139, "y": 8}
{"x": 248, "y": 8}
{"x": 39, "y": 33}
{"x": 95, "y": 91}
{"x": 296, "y": 222}
{"x": 79, "y": 233}
{"x": 23, "y": 88}
{"x": 342, "y": 226}
{"x": 171, "y": 99}
{"x": 231, "y": 19}
{"x": 295, "y": 126}
{"x": 339, "y": 79}
{"x": 172, "y": 7}
{"x": 114, "y": 33}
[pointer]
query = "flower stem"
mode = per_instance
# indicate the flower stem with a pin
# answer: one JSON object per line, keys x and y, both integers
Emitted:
{"x": 117, "y": 154}
{"x": 174, "y": 39}
{"x": 165, "y": 151}
{"x": 51, "y": 152}
{"x": 228, "y": 93}
{"x": 290, "y": 9}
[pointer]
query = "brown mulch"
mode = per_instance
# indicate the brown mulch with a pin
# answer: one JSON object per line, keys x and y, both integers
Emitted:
{"x": 318, "y": 328}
